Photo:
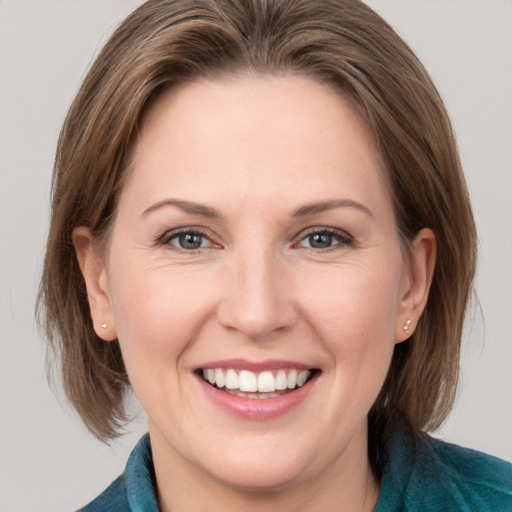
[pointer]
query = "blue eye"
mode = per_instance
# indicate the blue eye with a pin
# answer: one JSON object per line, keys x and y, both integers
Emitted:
{"x": 325, "y": 239}
{"x": 189, "y": 240}
{"x": 320, "y": 240}
{"x": 186, "y": 240}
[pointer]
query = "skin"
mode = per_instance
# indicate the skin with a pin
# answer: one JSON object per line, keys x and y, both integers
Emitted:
{"x": 254, "y": 151}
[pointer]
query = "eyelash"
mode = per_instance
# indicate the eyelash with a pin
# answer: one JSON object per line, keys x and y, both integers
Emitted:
{"x": 342, "y": 238}
{"x": 168, "y": 236}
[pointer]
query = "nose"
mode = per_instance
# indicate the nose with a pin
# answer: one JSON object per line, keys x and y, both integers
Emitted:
{"x": 258, "y": 297}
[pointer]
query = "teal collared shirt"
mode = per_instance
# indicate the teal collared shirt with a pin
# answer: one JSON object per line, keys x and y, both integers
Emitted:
{"x": 422, "y": 474}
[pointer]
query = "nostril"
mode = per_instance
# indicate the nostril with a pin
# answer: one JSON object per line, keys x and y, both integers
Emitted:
{"x": 256, "y": 322}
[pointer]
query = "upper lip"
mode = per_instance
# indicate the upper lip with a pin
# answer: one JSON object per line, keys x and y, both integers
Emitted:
{"x": 254, "y": 366}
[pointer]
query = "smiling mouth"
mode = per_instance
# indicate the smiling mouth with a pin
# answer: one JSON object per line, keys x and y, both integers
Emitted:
{"x": 256, "y": 385}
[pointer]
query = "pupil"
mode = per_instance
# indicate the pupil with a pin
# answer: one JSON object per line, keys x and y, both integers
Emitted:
{"x": 320, "y": 240}
{"x": 190, "y": 241}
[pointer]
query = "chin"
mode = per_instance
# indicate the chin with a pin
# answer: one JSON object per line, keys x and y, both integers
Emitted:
{"x": 265, "y": 475}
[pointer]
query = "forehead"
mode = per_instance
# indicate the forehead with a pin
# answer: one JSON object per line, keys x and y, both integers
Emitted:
{"x": 254, "y": 134}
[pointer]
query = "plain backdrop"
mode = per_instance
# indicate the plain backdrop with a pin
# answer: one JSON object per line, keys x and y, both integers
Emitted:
{"x": 48, "y": 461}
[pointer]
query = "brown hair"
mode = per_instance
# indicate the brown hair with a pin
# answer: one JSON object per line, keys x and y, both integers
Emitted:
{"x": 342, "y": 43}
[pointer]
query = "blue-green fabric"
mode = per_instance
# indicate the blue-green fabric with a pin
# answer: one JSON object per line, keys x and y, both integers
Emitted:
{"x": 422, "y": 474}
{"x": 135, "y": 489}
{"x": 428, "y": 475}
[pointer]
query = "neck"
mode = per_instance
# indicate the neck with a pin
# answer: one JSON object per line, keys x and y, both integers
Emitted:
{"x": 347, "y": 484}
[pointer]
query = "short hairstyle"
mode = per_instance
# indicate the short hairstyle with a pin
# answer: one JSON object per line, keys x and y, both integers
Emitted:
{"x": 341, "y": 43}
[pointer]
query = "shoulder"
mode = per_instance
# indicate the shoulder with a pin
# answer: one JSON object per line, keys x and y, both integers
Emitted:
{"x": 476, "y": 470}
{"x": 424, "y": 473}
{"x": 135, "y": 489}
{"x": 112, "y": 499}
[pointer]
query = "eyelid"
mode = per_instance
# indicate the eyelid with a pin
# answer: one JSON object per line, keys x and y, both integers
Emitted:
{"x": 345, "y": 237}
{"x": 165, "y": 238}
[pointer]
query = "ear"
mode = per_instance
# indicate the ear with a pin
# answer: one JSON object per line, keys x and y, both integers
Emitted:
{"x": 95, "y": 277}
{"x": 416, "y": 284}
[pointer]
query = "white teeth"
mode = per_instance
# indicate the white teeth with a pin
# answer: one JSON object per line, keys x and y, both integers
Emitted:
{"x": 251, "y": 385}
{"x": 281, "y": 380}
{"x": 266, "y": 382}
{"x": 247, "y": 381}
{"x": 231, "y": 379}
{"x": 302, "y": 378}
{"x": 219, "y": 378}
{"x": 292, "y": 379}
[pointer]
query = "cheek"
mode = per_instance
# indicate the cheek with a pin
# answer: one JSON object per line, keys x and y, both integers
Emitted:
{"x": 352, "y": 314}
{"x": 157, "y": 313}
{"x": 353, "y": 304}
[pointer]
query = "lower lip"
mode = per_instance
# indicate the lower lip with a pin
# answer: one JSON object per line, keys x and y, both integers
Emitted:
{"x": 257, "y": 409}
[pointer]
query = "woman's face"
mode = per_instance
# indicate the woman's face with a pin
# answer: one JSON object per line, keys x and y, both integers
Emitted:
{"x": 255, "y": 245}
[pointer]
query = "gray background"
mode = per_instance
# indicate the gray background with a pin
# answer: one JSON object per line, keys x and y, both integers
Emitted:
{"x": 48, "y": 461}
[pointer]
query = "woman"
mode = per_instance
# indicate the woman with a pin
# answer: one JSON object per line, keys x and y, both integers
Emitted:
{"x": 274, "y": 250}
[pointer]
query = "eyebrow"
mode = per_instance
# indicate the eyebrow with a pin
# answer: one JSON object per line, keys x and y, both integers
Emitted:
{"x": 210, "y": 213}
{"x": 186, "y": 206}
{"x": 313, "y": 208}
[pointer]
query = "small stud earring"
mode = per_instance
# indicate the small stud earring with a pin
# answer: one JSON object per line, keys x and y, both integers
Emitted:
{"x": 103, "y": 326}
{"x": 406, "y": 326}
